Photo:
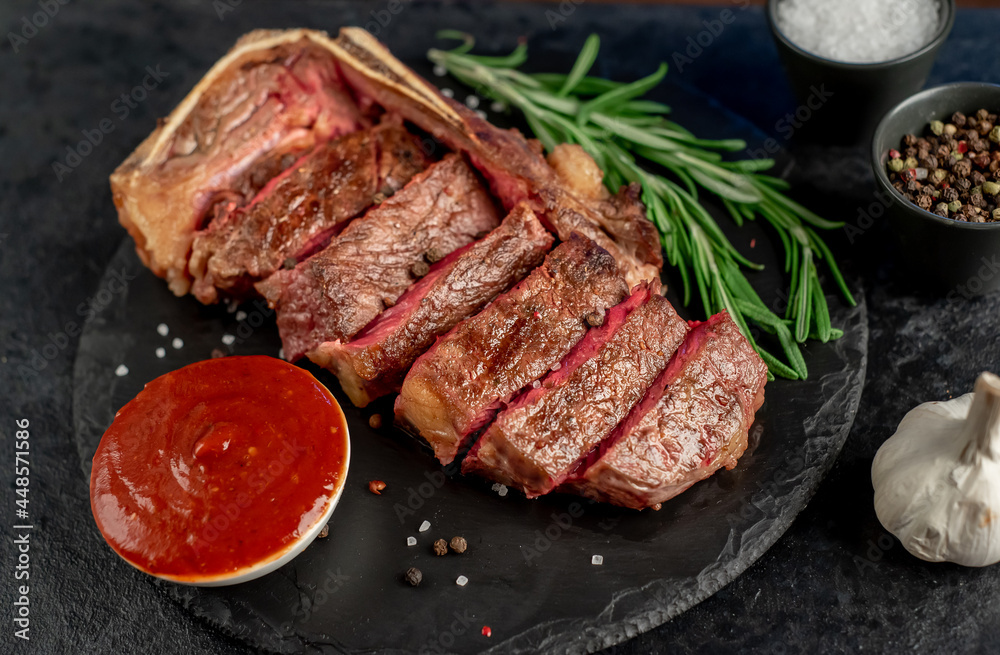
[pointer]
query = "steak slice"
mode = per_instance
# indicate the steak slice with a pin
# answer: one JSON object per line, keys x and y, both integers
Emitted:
{"x": 374, "y": 363}
{"x": 692, "y": 421}
{"x": 515, "y": 167}
{"x": 455, "y": 388}
{"x": 272, "y": 98}
{"x": 535, "y": 443}
{"x": 302, "y": 208}
{"x": 335, "y": 293}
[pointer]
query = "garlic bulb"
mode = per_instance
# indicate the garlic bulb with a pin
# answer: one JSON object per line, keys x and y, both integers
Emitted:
{"x": 937, "y": 479}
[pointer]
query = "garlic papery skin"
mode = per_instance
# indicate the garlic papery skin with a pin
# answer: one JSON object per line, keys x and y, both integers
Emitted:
{"x": 937, "y": 479}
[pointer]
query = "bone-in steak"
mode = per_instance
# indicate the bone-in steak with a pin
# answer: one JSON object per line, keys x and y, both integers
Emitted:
{"x": 302, "y": 208}
{"x": 374, "y": 362}
{"x": 515, "y": 167}
{"x": 335, "y": 293}
{"x": 268, "y": 101}
{"x": 455, "y": 388}
{"x": 693, "y": 421}
{"x": 534, "y": 444}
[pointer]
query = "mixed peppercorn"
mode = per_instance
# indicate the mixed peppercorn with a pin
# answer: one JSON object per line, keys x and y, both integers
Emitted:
{"x": 953, "y": 171}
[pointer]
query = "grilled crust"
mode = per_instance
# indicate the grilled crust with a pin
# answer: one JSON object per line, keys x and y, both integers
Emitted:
{"x": 163, "y": 232}
{"x": 698, "y": 426}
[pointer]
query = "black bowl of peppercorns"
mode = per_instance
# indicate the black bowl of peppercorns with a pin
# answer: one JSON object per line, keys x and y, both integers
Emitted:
{"x": 936, "y": 158}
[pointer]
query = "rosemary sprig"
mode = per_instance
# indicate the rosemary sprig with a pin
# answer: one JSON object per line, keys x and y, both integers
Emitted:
{"x": 632, "y": 140}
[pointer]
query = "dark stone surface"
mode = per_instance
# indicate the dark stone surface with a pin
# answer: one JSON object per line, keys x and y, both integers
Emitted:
{"x": 836, "y": 582}
{"x": 530, "y": 572}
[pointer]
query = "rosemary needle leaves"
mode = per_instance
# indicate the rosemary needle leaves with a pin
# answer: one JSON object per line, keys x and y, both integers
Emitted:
{"x": 632, "y": 140}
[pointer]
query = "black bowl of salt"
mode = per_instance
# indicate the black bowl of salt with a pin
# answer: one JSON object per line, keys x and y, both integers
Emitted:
{"x": 851, "y": 61}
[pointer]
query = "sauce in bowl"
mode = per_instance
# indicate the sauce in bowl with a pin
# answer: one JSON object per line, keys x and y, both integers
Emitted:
{"x": 220, "y": 468}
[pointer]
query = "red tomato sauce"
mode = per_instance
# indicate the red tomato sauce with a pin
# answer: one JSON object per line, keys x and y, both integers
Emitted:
{"x": 218, "y": 466}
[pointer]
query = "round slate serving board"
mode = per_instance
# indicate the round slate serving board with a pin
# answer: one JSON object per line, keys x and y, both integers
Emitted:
{"x": 529, "y": 567}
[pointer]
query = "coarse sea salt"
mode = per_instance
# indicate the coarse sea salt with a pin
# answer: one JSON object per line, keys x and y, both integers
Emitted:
{"x": 162, "y": 329}
{"x": 121, "y": 371}
{"x": 177, "y": 343}
{"x": 241, "y": 315}
{"x": 424, "y": 527}
{"x": 597, "y": 560}
{"x": 461, "y": 581}
{"x": 859, "y": 31}
{"x": 228, "y": 339}
{"x": 411, "y": 541}
{"x": 161, "y": 353}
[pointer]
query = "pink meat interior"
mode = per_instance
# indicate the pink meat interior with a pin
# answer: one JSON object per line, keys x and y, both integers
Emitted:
{"x": 388, "y": 320}
{"x": 693, "y": 343}
{"x": 584, "y": 350}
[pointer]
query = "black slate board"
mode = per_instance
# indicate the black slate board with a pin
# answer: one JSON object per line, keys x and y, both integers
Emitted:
{"x": 529, "y": 562}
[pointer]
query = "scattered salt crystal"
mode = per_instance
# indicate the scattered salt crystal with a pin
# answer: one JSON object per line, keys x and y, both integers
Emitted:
{"x": 447, "y": 93}
{"x": 597, "y": 560}
{"x": 411, "y": 541}
{"x": 481, "y": 114}
{"x": 425, "y": 526}
{"x": 121, "y": 371}
{"x": 536, "y": 384}
{"x": 502, "y": 491}
{"x": 228, "y": 339}
{"x": 496, "y": 486}
{"x": 161, "y": 352}
{"x": 472, "y": 102}
{"x": 859, "y": 31}
{"x": 177, "y": 343}
{"x": 461, "y": 581}
{"x": 440, "y": 70}
{"x": 498, "y": 106}
{"x": 241, "y": 315}
{"x": 163, "y": 329}
{"x": 281, "y": 353}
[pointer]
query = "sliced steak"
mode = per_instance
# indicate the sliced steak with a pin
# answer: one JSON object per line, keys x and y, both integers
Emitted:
{"x": 335, "y": 293}
{"x": 455, "y": 388}
{"x": 302, "y": 208}
{"x": 272, "y": 98}
{"x": 693, "y": 421}
{"x": 374, "y": 362}
{"x": 535, "y": 443}
{"x": 515, "y": 167}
